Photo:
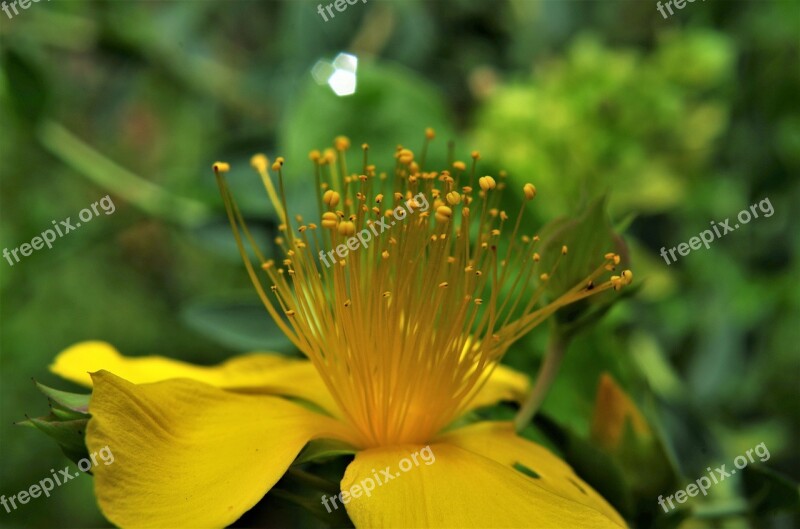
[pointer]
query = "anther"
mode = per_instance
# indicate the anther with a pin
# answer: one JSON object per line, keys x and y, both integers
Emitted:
{"x": 259, "y": 162}
{"x": 443, "y": 214}
{"x": 530, "y": 191}
{"x": 221, "y": 167}
{"x": 331, "y": 198}
{"x": 347, "y": 228}
{"x": 341, "y": 143}
{"x": 487, "y": 183}
{"x": 329, "y": 219}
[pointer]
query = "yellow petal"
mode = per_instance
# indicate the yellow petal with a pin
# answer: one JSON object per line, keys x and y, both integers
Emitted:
{"x": 503, "y": 384}
{"x": 252, "y": 373}
{"x": 499, "y": 442}
{"x": 186, "y": 454}
{"x": 454, "y": 488}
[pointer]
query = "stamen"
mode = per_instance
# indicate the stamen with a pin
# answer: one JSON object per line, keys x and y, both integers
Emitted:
{"x": 405, "y": 328}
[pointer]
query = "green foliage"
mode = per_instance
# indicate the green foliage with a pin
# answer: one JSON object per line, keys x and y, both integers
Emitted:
{"x": 323, "y": 449}
{"x": 240, "y": 326}
{"x": 675, "y": 122}
{"x": 588, "y": 238}
{"x": 770, "y": 491}
{"x": 387, "y": 109}
{"x": 66, "y": 423}
{"x": 637, "y": 125}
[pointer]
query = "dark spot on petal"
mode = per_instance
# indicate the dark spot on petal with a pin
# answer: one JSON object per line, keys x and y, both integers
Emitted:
{"x": 577, "y": 485}
{"x": 525, "y": 470}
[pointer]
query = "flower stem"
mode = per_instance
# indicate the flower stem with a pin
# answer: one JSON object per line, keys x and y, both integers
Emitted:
{"x": 556, "y": 348}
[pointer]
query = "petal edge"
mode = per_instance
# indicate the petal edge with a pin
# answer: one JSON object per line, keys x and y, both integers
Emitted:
{"x": 185, "y": 454}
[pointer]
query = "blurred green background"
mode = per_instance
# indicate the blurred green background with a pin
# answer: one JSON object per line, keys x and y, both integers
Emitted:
{"x": 681, "y": 121}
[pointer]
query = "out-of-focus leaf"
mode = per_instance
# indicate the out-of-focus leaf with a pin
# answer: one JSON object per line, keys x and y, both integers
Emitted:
{"x": 323, "y": 449}
{"x": 391, "y": 105}
{"x": 313, "y": 505}
{"x": 244, "y": 326}
{"x": 596, "y": 467}
{"x": 625, "y": 460}
{"x": 613, "y": 409}
{"x": 307, "y": 490}
{"x": 699, "y": 58}
{"x": 600, "y": 120}
{"x": 769, "y": 491}
{"x": 144, "y": 194}
{"x": 218, "y": 238}
{"x": 646, "y": 464}
{"x": 672, "y": 520}
{"x": 28, "y": 90}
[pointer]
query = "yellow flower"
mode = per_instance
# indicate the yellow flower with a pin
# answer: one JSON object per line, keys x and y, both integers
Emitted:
{"x": 404, "y": 320}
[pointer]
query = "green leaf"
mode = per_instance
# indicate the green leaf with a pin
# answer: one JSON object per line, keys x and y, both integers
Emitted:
{"x": 68, "y": 401}
{"x": 244, "y": 326}
{"x": 68, "y": 415}
{"x": 70, "y": 435}
{"x": 323, "y": 449}
{"x": 588, "y": 238}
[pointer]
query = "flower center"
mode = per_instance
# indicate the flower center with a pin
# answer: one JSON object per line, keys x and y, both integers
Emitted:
{"x": 398, "y": 309}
